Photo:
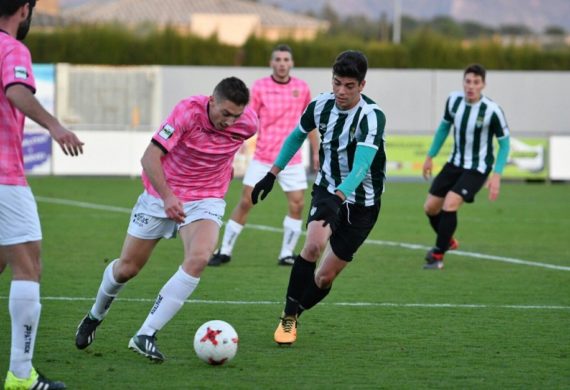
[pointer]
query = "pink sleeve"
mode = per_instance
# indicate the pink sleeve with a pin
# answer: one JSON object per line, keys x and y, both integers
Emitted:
{"x": 17, "y": 68}
{"x": 173, "y": 127}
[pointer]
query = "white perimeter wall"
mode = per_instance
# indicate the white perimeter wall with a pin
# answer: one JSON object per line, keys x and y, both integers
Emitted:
{"x": 535, "y": 103}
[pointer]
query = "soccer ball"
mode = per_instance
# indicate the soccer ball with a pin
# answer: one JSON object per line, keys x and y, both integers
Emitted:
{"x": 216, "y": 342}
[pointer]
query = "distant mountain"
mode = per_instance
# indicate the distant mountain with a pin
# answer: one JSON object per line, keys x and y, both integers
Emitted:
{"x": 535, "y": 14}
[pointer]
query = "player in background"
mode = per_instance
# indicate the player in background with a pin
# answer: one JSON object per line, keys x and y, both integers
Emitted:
{"x": 279, "y": 101}
{"x": 346, "y": 195}
{"x": 187, "y": 169}
{"x": 20, "y": 230}
{"x": 476, "y": 119}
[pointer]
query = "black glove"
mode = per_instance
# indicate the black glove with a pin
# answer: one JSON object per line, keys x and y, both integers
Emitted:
{"x": 265, "y": 185}
{"x": 327, "y": 210}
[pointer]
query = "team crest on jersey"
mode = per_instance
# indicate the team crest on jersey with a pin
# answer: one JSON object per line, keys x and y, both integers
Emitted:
{"x": 479, "y": 122}
{"x": 296, "y": 93}
{"x": 20, "y": 72}
{"x": 166, "y": 131}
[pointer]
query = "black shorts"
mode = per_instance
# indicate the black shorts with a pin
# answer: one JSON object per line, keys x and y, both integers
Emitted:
{"x": 355, "y": 224}
{"x": 464, "y": 182}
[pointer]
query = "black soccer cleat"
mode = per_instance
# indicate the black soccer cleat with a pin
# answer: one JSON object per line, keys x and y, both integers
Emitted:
{"x": 434, "y": 260}
{"x": 219, "y": 259}
{"x": 146, "y": 346}
{"x": 86, "y": 332}
{"x": 287, "y": 260}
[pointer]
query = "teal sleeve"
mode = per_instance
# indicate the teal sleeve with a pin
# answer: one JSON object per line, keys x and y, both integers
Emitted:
{"x": 502, "y": 154}
{"x": 292, "y": 143}
{"x": 440, "y": 135}
{"x": 363, "y": 158}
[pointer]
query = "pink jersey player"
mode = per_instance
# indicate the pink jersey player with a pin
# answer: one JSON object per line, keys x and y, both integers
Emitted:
{"x": 279, "y": 106}
{"x": 187, "y": 170}
{"x": 199, "y": 157}
{"x": 16, "y": 69}
{"x": 279, "y": 100}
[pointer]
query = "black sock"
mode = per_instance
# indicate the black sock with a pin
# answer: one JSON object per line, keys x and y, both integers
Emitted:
{"x": 447, "y": 226}
{"x": 302, "y": 274}
{"x": 313, "y": 295}
{"x": 434, "y": 221}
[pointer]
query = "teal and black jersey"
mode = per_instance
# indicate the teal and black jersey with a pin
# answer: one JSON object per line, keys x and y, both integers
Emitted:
{"x": 341, "y": 132}
{"x": 474, "y": 128}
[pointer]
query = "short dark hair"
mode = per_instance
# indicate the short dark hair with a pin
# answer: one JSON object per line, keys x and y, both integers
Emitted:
{"x": 351, "y": 63}
{"x": 476, "y": 69}
{"x": 9, "y": 7}
{"x": 232, "y": 89}
{"x": 282, "y": 47}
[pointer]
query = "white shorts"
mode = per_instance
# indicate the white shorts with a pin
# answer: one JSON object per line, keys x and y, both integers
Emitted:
{"x": 19, "y": 220}
{"x": 149, "y": 221}
{"x": 292, "y": 178}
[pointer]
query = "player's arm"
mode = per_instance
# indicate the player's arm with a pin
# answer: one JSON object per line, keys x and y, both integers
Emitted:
{"x": 494, "y": 183}
{"x": 315, "y": 144}
{"x": 24, "y": 100}
{"x": 438, "y": 140}
{"x": 363, "y": 158}
{"x": 151, "y": 162}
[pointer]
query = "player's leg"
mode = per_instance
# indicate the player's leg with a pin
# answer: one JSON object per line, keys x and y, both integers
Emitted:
{"x": 433, "y": 207}
{"x": 233, "y": 228}
{"x": 302, "y": 274}
{"x": 135, "y": 254}
{"x": 293, "y": 181}
{"x": 24, "y": 303}
{"x": 143, "y": 233}
{"x": 199, "y": 234}
{"x": 356, "y": 223}
{"x": 20, "y": 248}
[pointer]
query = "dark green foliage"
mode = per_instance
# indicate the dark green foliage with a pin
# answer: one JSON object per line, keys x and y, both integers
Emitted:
{"x": 425, "y": 47}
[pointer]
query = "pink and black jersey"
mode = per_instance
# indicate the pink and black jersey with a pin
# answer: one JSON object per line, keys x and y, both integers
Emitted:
{"x": 279, "y": 107}
{"x": 15, "y": 68}
{"x": 198, "y": 163}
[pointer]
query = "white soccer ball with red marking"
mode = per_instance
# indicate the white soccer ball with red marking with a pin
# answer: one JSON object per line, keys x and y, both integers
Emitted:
{"x": 216, "y": 342}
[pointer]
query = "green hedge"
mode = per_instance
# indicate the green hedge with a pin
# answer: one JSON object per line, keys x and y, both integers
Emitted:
{"x": 114, "y": 45}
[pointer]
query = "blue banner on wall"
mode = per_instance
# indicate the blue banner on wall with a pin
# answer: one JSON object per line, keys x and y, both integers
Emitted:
{"x": 37, "y": 144}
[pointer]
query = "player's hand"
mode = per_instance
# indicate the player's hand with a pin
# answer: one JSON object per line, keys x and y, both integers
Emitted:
{"x": 327, "y": 210}
{"x": 67, "y": 140}
{"x": 427, "y": 168}
{"x": 264, "y": 186}
{"x": 174, "y": 209}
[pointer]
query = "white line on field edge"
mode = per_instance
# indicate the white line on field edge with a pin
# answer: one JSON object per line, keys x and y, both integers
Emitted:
{"x": 349, "y": 304}
{"x": 510, "y": 260}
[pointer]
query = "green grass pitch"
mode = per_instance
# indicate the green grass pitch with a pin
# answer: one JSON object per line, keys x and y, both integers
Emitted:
{"x": 498, "y": 315}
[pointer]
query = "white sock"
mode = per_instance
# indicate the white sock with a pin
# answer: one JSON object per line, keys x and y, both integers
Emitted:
{"x": 169, "y": 301}
{"x": 25, "y": 308}
{"x": 233, "y": 229}
{"x": 291, "y": 234}
{"x": 108, "y": 290}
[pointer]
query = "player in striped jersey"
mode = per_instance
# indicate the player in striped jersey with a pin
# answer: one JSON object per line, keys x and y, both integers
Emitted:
{"x": 279, "y": 101}
{"x": 346, "y": 194}
{"x": 187, "y": 169}
{"x": 476, "y": 120}
{"x": 20, "y": 230}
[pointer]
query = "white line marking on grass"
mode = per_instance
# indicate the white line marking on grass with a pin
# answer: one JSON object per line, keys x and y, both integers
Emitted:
{"x": 279, "y": 230}
{"x": 348, "y": 304}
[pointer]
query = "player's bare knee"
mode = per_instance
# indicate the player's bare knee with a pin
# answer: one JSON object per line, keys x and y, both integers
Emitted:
{"x": 245, "y": 205}
{"x": 313, "y": 250}
{"x": 125, "y": 270}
